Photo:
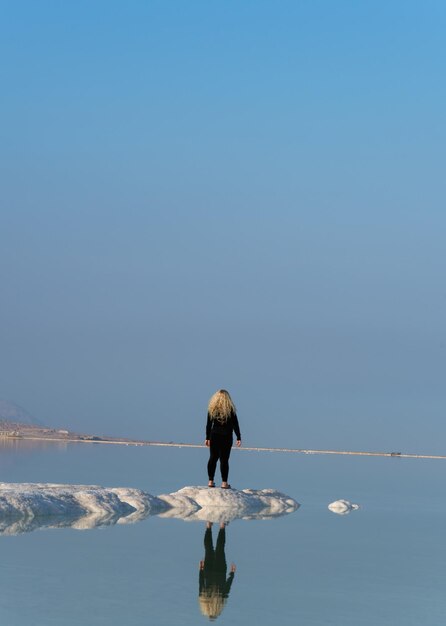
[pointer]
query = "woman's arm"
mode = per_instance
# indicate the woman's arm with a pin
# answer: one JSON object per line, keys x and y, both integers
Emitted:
{"x": 208, "y": 429}
{"x": 236, "y": 428}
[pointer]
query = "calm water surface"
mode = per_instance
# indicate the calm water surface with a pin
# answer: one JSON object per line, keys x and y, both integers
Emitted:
{"x": 384, "y": 564}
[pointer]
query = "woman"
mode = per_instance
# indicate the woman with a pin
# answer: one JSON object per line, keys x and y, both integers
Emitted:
{"x": 221, "y": 421}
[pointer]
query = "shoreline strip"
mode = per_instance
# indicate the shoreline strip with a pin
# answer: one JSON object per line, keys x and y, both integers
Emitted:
{"x": 161, "y": 444}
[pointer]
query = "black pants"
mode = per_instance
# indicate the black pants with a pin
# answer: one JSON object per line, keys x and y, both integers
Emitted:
{"x": 220, "y": 448}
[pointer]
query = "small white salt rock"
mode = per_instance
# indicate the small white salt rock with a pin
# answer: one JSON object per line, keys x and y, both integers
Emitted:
{"x": 342, "y": 507}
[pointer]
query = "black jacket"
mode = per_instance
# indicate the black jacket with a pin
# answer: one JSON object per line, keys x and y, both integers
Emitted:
{"x": 214, "y": 427}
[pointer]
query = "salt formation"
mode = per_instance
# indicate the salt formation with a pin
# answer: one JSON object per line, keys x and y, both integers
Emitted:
{"x": 342, "y": 507}
{"x": 28, "y": 506}
{"x": 224, "y": 505}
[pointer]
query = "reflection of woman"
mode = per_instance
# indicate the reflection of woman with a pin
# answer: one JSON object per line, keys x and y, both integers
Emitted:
{"x": 214, "y": 587}
{"x": 221, "y": 422}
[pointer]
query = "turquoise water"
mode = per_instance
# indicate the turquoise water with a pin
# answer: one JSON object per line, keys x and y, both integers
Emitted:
{"x": 385, "y": 563}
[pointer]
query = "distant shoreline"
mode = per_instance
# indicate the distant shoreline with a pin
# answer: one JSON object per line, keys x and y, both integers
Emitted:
{"x": 19, "y": 432}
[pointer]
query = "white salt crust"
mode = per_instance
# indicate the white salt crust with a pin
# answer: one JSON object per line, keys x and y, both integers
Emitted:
{"x": 27, "y": 506}
{"x": 342, "y": 507}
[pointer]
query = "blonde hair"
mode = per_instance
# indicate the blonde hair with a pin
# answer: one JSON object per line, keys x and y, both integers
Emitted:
{"x": 212, "y": 603}
{"x": 221, "y": 406}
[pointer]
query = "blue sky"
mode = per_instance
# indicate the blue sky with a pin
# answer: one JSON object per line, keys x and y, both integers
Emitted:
{"x": 246, "y": 195}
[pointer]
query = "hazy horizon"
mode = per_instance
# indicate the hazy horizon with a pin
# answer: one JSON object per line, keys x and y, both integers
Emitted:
{"x": 239, "y": 195}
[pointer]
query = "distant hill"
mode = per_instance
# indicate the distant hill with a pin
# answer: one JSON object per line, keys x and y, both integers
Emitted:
{"x": 10, "y": 412}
